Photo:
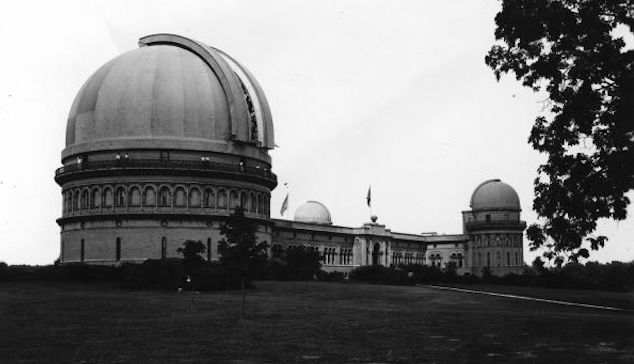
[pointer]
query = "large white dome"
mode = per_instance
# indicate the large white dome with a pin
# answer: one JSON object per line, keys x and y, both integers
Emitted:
{"x": 171, "y": 93}
{"x": 495, "y": 195}
{"x": 313, "y": 212}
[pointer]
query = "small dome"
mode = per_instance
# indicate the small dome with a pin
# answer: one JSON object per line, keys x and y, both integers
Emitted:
{"x": 494, "y": 195}
{"x": 171, "y": 93}
{"x": 313, "y": 212}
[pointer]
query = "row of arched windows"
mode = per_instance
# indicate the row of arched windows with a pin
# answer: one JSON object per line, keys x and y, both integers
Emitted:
{"x": 514, "y": 240}
{"x": 82, "y": 198}
{"x": 435, "y": 260}
{"x": 345, "y": 256}
{"x": 407, "y": 258}
{"x": 456, "y": 258}
{"x": 329, "y": 255}
{"x": 511, "y": 259}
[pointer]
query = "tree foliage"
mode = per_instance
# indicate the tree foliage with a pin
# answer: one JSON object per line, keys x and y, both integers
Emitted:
{"x": 240, "y": 249}
{"x": 192, "y": 251}
{"x": 302, "y": 262}
{"x": 568, "y": 49}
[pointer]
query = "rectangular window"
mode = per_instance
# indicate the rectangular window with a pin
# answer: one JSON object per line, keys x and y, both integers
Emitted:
{"x": 81, "y": 253}
{"x": 209, "y": 249}
{"x": 163, "y": 247}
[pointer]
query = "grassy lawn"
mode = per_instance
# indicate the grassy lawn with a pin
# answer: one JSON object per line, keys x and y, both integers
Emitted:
{"x": 327, "y": 323}
{"x": 624, "y": 300}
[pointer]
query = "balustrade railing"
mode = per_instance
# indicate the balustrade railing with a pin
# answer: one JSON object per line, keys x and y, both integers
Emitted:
{"x": 165, "y": 164}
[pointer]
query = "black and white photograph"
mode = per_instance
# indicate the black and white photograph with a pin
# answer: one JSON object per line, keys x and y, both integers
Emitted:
{"x": 317, "y": 181}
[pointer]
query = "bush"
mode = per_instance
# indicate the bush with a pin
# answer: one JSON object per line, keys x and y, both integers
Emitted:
{"x": 381, "y": 275}
{"x": 168, "y": 274}
{"x": 330, "y": 276}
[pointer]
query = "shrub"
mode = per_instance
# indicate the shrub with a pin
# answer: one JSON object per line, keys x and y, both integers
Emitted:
{"x": 380, "y": 274}
{"x": 330, "y": 276}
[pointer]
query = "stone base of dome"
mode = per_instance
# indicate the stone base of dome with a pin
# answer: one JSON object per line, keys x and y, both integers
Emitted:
{"x": 103, "y": 242}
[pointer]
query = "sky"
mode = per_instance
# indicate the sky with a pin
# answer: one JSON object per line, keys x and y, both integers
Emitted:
{"x": 392, "y": 94}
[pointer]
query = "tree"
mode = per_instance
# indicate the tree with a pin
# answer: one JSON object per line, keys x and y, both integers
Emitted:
{"x": 192, "y": 251}
{"x": 241, "y": 252}
{"x": 240, "y": 248}
{"x": 568, "y": 49}
{"x": 303, "y": 263}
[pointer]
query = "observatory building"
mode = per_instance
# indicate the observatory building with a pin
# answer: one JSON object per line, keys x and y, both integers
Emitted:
{"x": 165, "y": 141}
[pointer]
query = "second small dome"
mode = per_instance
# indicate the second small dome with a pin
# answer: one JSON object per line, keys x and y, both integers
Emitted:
{"x": 313, "y": 212}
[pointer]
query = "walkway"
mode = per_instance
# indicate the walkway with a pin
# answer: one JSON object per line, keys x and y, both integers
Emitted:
{"x": 465, "y": 290}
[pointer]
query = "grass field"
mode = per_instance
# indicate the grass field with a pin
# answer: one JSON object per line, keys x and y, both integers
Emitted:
{"x": 624, "y": 300}
{"x": 289, "y": 323}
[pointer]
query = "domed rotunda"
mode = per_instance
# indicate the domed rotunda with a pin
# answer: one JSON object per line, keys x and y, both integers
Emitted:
{"x": 313, "y": 212}
{"x": 162, "y": 143}
{"x": 494, "y": 194}
{"x": 494, "y": 228}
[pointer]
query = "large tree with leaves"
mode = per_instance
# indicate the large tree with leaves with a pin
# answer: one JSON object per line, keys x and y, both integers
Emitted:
{"x": 569, "y": 50}
{"x": 240, "y": 249}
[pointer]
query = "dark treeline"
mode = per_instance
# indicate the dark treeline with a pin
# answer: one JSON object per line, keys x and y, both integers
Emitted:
{"x": 615, "y": 276}
{"x": 303, "y": 265}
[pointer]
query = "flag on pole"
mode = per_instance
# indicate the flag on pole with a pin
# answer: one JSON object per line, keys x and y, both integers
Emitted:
{"x": 368, "y": 198}
{"x": 284, "y": 205}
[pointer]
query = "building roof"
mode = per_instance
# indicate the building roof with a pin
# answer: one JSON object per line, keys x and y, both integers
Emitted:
{"x": 313, "y": 212}
{"x": 494, "y": 194}
{"x": 171, "y": 93}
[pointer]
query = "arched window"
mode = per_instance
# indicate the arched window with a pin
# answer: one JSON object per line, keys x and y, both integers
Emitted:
{"x": 76, "y": 201}
{"x": 209, "y": 199}
{"x": 95, "y": 200}
{"x": 488, "y": 259}
{"x": 498, "y": 258}
{"x": 479, "y": 259}
{"x": 180, "y": 199}
{"x": 243, "y": 201}
{"x": 222, "y": 199}
{"x": 209, "y": 249}
{"x": 233, "y": 200}
{"x": 82, "y": 251}
{"x": 135, "y": 196}
{"x": 260, "y": 207}
{"x": 85, "y": 200}
{"x": 267, "y": 210}
{"x": 194, "y": 197}
{"x": 508, "y": 258}
{"x": 68, "y": 199}
{"x": 149, "y": 197}
{"x": 119, "y": 197}
{"x": 252, "y": 203}
{"x": 163, "y": 247}
{"x": 107, "y": 197}
{"x": 164, "y": 197}
{"x": 517, "y": 261}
